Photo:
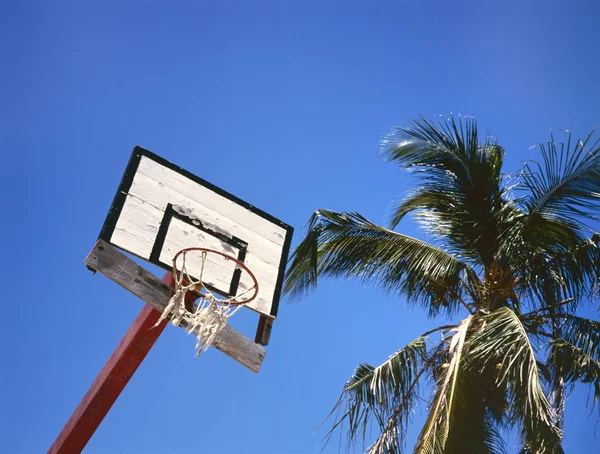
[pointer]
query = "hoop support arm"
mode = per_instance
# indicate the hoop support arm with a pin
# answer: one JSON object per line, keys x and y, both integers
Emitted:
{"x": 121, "y": 269}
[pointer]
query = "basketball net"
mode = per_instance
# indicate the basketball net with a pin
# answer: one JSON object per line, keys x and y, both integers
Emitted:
{"x": 210, "y": 313}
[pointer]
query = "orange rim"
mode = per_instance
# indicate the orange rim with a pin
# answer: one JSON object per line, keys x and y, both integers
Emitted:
{"x": 233, "y": 302}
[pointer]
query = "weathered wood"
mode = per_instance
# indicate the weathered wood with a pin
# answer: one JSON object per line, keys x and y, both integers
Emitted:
{"x": 146, "y": 229}
{"x": 121, "y": 269}
{"x": 110, "y": 382}
{"x": 263, "y": 332}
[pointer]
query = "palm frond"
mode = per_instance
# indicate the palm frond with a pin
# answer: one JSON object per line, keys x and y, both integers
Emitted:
{"x": 349, "y": 246}
{"x": 449, "y": 401}
{"x": 493, "y": 439}
{"x": 476, "y": 422}
{"x": 426, "y": 197}
{"x": 574, "y": 352}
{"x": 575, "y": 270}
{"x": 460, "y": 194}
{"x": 565, "y": 184}
{"x": 302, "y": 273}
{"x": 583, "y": 333}
{"x": 504, "y": 334}
{"x": 376, "y": 395}
{"x": 573, "y": 364}
{"x": 552, "y": 260}
{"x": 446, "y": 147}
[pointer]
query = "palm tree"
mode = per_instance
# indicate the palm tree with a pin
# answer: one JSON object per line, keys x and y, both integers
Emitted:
{"x": 514, "y": 257}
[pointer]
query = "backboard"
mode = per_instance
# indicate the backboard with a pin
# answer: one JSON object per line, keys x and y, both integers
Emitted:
{"x": 160, "y": 209}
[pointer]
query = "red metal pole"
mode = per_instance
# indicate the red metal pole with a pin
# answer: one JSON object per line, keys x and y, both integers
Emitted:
{"x": 112, "y": 379}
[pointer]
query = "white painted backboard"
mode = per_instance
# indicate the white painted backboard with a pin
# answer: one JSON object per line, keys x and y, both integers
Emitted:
{"x": 160, "y": 209}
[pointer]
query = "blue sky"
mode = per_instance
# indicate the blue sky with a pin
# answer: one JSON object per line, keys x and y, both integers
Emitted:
{"x": 282, "y": 104}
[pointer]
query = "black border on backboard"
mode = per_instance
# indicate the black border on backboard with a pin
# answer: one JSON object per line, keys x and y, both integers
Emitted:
{"x": 119, "y": 200}
{"x": 233, "y": 241}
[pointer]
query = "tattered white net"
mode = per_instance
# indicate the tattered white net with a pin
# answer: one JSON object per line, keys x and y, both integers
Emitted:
{"x": 209, "y": 315}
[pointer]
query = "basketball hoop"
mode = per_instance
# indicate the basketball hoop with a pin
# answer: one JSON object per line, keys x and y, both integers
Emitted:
{"x": 210, "y": 314}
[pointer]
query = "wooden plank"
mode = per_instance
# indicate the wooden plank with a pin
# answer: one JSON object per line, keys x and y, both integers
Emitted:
{"x": 121, "y": 269}
{"x": 110, "y": 382}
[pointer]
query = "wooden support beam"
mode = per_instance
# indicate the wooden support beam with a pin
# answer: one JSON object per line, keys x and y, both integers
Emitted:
{"x": 112, "y": 379}
{"x": 121, "y": 269}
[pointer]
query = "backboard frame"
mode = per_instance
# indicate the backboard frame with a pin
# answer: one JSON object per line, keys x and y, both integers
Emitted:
{"x": 124, "y": 188}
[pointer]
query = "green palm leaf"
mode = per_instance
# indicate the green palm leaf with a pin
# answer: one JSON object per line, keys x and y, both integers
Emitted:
{"x": 504, "y": 334}
{"x": 575, "y": 365}
{"x": 565, "y": 185}
{"x": 461, "y": 189}
{"x": 449, "y": 401}
{"x": 549, "y": 261}
{"x": 446, "y": 147}
{"x": 376, "y": 395}
{"x": 582, "y": 333}
{"x": 493, "y": 439}
{"x": 426, "y": 198}
{"x": 349, "y": 246}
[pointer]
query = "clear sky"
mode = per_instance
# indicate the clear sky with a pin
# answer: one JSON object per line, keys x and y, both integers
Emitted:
{"x": 283, "y": 104}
